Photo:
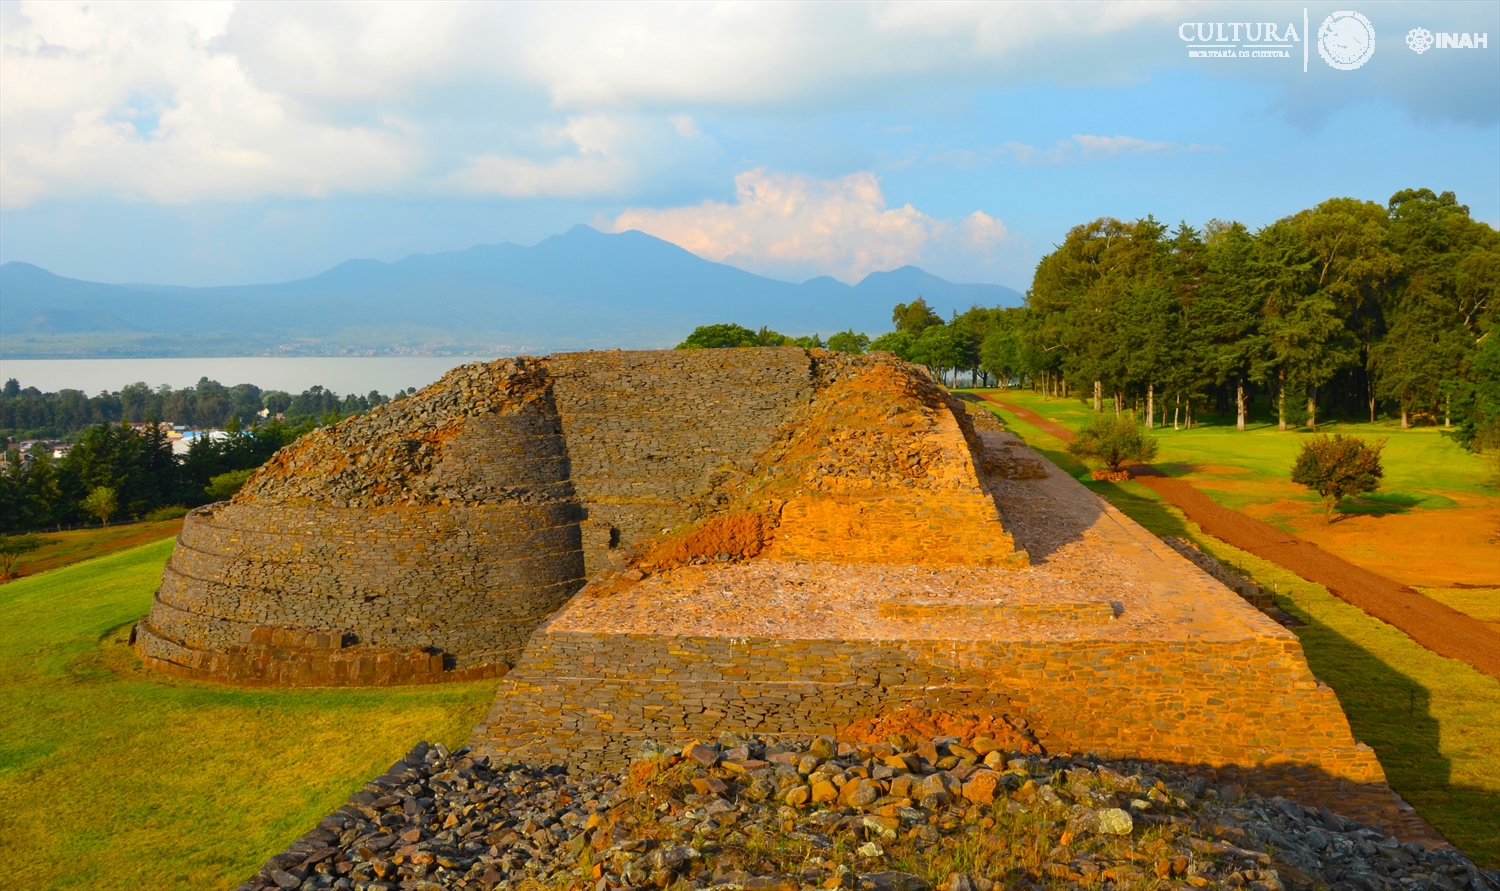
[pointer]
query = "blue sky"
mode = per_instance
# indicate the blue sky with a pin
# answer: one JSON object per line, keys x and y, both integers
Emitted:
{"x": 221, "y": 143}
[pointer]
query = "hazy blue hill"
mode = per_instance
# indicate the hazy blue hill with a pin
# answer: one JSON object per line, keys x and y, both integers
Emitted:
{"x": 580, "y": 289}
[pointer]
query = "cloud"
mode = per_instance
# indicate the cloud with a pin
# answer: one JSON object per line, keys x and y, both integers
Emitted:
{"x": 588, "y": 156}
{"x": 177, "y": 102}
{"x": 188, "y": 101}
{"x": 134, "y": 101}
{"x": 791, "y": 226}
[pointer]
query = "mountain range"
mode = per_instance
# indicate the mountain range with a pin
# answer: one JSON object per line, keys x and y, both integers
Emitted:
{"x": 579, "y": 290}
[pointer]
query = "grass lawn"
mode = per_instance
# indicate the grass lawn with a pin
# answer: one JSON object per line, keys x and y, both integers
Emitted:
{"x": 1481, "y": 603}
{"x": 114, "y": 778}
{"x": 1434, "y": 522}
{"x": 77, "y": 545}
{"x": 1433, "y": 722}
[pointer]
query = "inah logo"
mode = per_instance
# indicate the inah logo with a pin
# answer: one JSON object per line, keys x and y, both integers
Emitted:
{"x": 1346, "y": 40}
{"x": 1419, "y": 39}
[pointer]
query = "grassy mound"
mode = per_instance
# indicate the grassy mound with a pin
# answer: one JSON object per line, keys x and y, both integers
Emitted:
{"x": 114, "y": 778}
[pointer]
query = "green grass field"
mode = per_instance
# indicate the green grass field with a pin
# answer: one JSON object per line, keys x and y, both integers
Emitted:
{"x": 1433, "y": 722}
{"x": 114, "y": 778}
{"x": 61, "y": 549}
{"x": 1423, "y": 467}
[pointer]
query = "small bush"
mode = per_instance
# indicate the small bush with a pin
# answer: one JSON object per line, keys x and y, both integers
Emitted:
{"x": 169, "y": 512}
{"x": 1113, "y": 440}
{"x": 225, "y": 485}
{"x": 1338, "y": 465}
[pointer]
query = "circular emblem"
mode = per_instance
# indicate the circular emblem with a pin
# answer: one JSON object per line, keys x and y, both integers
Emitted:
{"x": 1419, "y": 39}
{"x": 1346, "y": 40}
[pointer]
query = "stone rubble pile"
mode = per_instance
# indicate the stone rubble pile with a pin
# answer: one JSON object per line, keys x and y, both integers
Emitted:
{"x": 387, "y": 455}
{"x": 950, "y": 813}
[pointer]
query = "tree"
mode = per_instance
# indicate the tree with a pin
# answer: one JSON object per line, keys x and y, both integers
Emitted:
{"x": 1000, "y": 355}
{"x": 224, "y": 486}
{"x": 12, "y": 547}
{"x": 766, "y": 337}
{"x": 900, "y": 343}
{"x": 915, "y": 317}
{"x": 1113, "y": 439}
{"x": 707, "y": 337}
{"x": 849, "y": 342}
{"x": 1338, "y": 465}
{"x": 101, "y": 503}
{"x": 1305, "y": 336}
{"x": 941, "y": 346}
{"x": 1476, "y": 397}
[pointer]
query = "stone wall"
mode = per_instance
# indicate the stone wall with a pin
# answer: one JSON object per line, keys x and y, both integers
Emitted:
{"x": 446, "y": 527}
{"x": 651, "y": 434}
{"x": 434, "y": 533}
{"x": 591, "y": 698}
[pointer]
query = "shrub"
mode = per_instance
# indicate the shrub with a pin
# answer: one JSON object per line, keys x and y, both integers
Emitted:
{"x": 225, "y": 485}
{"x": 13, "y": 546}
{"x": 1338, "y": 465}
{"x": 1113, "y": 440}
{"x": 169, "y": 512}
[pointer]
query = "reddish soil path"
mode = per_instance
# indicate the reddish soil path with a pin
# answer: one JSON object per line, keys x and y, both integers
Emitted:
{"x": 1437, "y": 627}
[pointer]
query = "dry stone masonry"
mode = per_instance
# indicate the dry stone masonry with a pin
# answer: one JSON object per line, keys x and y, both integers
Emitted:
{"x": 426, "y": 540}
{"x": 670, "y": 546}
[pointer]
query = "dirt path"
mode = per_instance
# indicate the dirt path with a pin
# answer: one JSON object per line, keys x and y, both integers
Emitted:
{"x": 1437, "y": 627}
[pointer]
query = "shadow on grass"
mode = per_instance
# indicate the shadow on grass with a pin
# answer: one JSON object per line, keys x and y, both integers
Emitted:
{"x": 1386, "y": 708}
{"x": 1391, "y": 712}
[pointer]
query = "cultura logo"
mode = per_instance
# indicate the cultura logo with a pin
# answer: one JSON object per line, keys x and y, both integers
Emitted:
{"x": 1419, "y": 39}
{"x": 1346, "y": 40}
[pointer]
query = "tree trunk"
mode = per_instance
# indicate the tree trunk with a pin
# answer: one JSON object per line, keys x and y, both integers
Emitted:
{"x": 1372, "y": 409}
{"x": 1098, "y": 397}
{"x": 1281, "y": 400}
{"x": 1119, "y": 403}
{"x": 1312, "y": 408}
{"x": 1177, "y": 408}
{"x": 1239, "y": 403}
{"x": 1150, "y": 406}
{"x": 1448, "y": 412}
{"x": 1403, "y": 417}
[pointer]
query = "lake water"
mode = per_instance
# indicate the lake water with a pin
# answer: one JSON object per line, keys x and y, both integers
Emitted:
{"x": 343, "y": 375}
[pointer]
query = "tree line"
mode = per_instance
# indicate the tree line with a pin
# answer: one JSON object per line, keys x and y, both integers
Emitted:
{"x": 133, "y": 470}
{"x": 115, "y": 470}
{"x": 28, "y": 413}
{"x": 1348, "y": 308}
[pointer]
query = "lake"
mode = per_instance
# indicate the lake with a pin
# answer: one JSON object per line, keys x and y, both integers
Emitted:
{"x": 357, "y": 374}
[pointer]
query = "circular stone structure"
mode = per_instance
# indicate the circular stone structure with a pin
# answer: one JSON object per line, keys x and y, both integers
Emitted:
{"x": 423, "y": 541}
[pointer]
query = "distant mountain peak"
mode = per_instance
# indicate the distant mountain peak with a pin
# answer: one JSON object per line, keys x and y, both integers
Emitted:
{"x": 579, "y": 289}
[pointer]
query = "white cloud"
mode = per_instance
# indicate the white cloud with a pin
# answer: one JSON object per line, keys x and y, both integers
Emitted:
{"x": 134, "y": 101}
{"x": 186, "y": 101}
{"x": 796, "y": 225}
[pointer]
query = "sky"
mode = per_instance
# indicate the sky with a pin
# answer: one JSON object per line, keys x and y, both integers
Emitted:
{"x": 211, "y": 143}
